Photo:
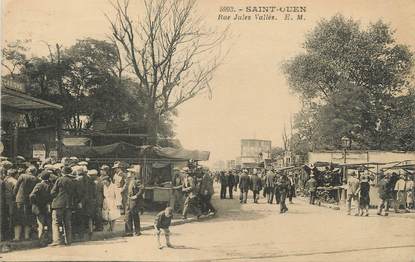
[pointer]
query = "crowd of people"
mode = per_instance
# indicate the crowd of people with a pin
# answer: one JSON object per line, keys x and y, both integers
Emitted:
{"x": 393, "y": 189}
{"x": 273, "y": 184}
{"x": 60, "y": 199}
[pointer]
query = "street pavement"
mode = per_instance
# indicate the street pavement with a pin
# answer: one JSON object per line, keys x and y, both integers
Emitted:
{"x": 256, "y": 232}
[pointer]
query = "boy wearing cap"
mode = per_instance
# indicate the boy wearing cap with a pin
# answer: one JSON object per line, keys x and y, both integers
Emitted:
{"x": 162, "y": 223}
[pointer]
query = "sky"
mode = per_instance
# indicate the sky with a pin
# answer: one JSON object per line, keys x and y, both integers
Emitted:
{"x": 251, "y": 98}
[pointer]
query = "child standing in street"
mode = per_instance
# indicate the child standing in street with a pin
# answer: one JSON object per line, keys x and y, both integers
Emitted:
{"x": 162, "y": 223}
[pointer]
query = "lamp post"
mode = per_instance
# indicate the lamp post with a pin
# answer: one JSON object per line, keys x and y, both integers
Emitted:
{"x": 345, "y": 144}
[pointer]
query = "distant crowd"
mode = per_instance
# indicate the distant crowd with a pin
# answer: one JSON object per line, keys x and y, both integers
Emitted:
{"x": 394, "y": 190}
{"x": 274, "y": 184}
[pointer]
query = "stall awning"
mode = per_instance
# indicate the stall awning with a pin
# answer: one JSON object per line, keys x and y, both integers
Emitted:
{"x": 21, "y": 101}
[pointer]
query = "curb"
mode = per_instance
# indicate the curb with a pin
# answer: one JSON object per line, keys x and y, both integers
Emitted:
{"x": 22, "y": 245}
{"x": 326, "y": 205}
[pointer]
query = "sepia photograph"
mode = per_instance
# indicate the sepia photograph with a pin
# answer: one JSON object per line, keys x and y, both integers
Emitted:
{"x": 207, "y": 130}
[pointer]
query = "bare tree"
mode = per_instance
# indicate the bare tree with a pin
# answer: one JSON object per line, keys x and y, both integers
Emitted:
{"x": 172, "y": 54}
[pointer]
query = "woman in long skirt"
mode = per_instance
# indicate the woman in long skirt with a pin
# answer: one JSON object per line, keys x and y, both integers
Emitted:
{"x": 112, "y": 203}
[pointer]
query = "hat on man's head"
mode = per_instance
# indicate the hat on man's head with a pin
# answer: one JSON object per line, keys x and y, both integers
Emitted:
{"x": 6, "y": 164}
{"x": 12, "y": 172}
{"x": 119, "y": 164}
{"x": 31, "y": 169}
{"x": 45, "y": 175}
{"x": 92, "y": 172}
{"x": 105, "y": 167}
{"x": 20, "y": 158}
{"x": 67, "y": 171}
{"x": 135, "y": 169}
{"x": 58, "y": 166}
{"x": 82, "y": 163}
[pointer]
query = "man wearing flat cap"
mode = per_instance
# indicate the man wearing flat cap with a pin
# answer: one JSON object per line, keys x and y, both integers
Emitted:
{"x": 64, "y": 199}
{"x": 24, "y": 216}
{"x": 41, "y": 199}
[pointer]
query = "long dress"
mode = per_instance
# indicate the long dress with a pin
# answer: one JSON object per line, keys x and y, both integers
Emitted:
{"x": 112, "y": 199}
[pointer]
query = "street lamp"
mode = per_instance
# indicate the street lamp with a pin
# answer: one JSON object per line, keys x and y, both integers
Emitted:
{"x": 345, "y": 144}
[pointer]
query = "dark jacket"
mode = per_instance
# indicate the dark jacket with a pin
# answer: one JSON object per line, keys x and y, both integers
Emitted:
{"x": 41, "y": 196}
{"x": 231, "y": 180}
{"x": 24, "y": 187}
{"x": 269, "y": 179}
{"x": 63, "y": 193}
{"x": 283, "y": 184}
{"x": 206, "y": 186}
{"x": 99, "y": 189}
{"x": 224, "y": 179}
{"x": 383, "y": 189}
{"x": 244, "y": 182}
{"x": 311, "y": 185}
{"x": 162, "y": 221}
{"x": 256, "y": 183}
{"x": 135, "y": 194}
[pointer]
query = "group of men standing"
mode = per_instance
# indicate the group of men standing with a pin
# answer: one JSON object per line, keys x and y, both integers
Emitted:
{"x": 274, "y": 184}
{"x": 60, "y": 199}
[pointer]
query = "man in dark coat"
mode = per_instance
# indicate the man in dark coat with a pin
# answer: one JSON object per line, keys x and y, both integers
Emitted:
{"x": 99, "y": 199}
{"x": 269, "y": 186}
{"x": 283, "y": 185}
{"x": 10, "y": 182}
{"x": 24, "y": 216}
{"x": 132, "y": 215}
{"x": 384, "y": 195}
{"x": 277, "y": 192}
{"x": 84, "y": 211}
{"x": 206, "y": 192}
{"x": 223, "y": 179}
{"x": 255, "y": 186}
{"x": 41, "y": 200}
{"x": 64, "y": 199}
{"x": 291, "y": 191}
{"x": 244, "y": 184}
{"x": 231, "y": 183}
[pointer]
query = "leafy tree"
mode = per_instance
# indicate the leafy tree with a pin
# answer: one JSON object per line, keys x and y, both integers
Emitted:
{"x": 352, "y": 76}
